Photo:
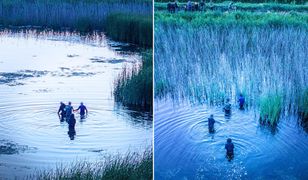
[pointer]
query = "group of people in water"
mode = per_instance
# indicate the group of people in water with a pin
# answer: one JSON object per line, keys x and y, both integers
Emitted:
{"x": 189, "y": 6}
{"x": 66, "y": 113}
{"x": 229, "y": 146}
{"x": 172, "y": 7}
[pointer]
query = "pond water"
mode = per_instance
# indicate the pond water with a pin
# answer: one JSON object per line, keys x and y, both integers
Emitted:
{"x": 40, "y": 69}
{"x": 184, "y": 149}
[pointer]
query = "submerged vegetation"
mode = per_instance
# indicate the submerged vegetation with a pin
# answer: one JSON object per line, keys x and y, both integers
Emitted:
{"x": 131, "y": 166}
{"x": 133, "y": 87}
{"x": 210, "y": 56}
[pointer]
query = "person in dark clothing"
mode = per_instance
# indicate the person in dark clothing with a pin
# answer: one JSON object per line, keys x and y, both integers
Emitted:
{"x": 230, "y": 149}
{"x": 71, "y": 133}
{"x": 241, "y": 101}
{"x": 227, "y": 107}
{"x": 211, "y": 122}
{"x": 69, "y": 110}
{"x": 61, "y": 111}
{"x": 83, "y": 110}
{"x": 72, "y": 121}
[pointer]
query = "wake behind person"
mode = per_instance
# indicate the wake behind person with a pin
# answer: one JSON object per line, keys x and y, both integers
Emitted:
{"x": 83, "y": 110}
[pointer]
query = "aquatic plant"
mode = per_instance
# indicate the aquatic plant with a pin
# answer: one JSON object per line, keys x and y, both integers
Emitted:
{"x": 241, "y": 6}
{"x": 233, "y": 18}
{"x": 130, "y": 166}
{"x": 270, "y": 108}
{"x": 213, "y": 55}
{"x": 132, "y": 28}
{"x": 81, "y": 15}
{"x": 134, "y": 87}
{"x": 303, "y": 105}
{"x": 248, "y": 1}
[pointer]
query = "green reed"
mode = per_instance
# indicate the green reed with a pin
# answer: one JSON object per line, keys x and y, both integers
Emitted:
{"x": 132, "y": 28}
{"x": 130, "y": 166}
{"x": 134, "y": 86}
{"x": 209, "y": 58}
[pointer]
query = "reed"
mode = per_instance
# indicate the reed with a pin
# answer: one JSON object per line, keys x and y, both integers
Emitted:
{"x": 303, "y": 105}
{"x": 242, "y": 6}
{"x": 81, "y": 15}
{"x": 234, "y": 18}
{"x": 270, "y": 109}
{"x": 132, "y": 28}
{"x": 247, "y": 1}
{"x": 134, "y": 87}
{"x": 208, "y": 58}
{"x": 130, "y": 166}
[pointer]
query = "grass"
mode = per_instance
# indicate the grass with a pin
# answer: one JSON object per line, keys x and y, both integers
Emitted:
{"x": 132, "y": 28}
{"x": 303, "y": 105}
{"x": 248, "y": 1}
{"x": 134, "y": 87}
{"x": 80, "y": 15}
{"x": 270, "y": 109}
{"x": 242, "y": 6}
{"x": 234, "y": 18}
{"x": 130, "y": 166}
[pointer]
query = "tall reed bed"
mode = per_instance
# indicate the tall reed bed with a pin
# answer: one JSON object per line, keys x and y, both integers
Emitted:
{"x": 208, "y": 62}
{"x": 130, "y": 166}
{"x": 239, "y": 6}
{"x": 247, "y": 1}
{"x": 132, "y": 28}
{"x": 82, "y": 15}
{"x": 134, "y": 87}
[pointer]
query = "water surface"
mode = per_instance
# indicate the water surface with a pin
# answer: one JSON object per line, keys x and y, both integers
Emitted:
{"x": 184, "y": 149}
{"x": 40, "y": 69}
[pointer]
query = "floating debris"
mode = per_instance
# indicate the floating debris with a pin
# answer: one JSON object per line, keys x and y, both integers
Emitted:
{"x": 72, "y": 55}
{"x": 9, "y": 147}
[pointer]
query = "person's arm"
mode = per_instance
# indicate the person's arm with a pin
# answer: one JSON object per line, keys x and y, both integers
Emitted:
{"x": 76, "y": 109}
{"x": 86, "y": 109}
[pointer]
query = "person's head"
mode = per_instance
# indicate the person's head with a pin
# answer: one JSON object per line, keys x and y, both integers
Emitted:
{"x": 229, "y": 140}
{"x": 61, "y": 103}
{"x": 241, "y": 95}
{"x": 211, "y": 116}
{"x": 228, "y": 99}
{"x": 81, "y": 103}
{"x": 70, "y": 103}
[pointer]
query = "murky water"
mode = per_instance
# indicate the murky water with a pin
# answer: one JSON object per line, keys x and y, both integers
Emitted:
{"x": 184, "y": 149}
{"x": 37, "y": 71}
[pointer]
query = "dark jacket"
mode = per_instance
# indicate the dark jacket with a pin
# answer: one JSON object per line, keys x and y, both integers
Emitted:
{"x": 229, "y": 147}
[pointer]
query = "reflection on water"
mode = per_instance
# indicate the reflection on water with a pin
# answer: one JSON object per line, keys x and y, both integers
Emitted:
{"x": 38, "y": 70}
{"x": 184, "y": 148}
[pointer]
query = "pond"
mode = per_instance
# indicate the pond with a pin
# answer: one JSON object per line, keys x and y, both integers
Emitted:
{"x": 184, "y": 148}
{"x": 38, "y": 69}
